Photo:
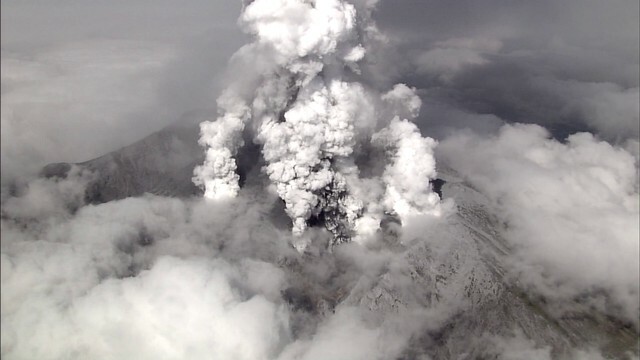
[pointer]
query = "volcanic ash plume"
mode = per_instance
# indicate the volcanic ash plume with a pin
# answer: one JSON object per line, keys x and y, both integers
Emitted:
{"x": 300, "y": 91}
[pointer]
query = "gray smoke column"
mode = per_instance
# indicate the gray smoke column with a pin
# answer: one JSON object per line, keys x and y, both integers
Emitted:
{"x": 298, "y": 92}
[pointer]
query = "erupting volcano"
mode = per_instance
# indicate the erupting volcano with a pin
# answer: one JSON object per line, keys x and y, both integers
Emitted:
{"x": 301, "y": 95}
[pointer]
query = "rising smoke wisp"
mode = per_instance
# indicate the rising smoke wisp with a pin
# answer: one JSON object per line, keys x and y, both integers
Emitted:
{"x": 313, "y": 115}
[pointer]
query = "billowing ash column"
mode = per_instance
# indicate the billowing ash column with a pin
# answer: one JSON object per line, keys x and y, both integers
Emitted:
{"x": 298, "y": 89}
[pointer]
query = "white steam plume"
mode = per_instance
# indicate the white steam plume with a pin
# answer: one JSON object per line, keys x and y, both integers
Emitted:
{"x": 301, "y": 93}
{"x": 411, "y": 159}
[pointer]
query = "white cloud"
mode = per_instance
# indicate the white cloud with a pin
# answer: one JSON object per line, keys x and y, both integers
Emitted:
{"x": 571, "y": 209}
{"x": 446, "y": 58}
{"x": 518, "y": 347}
{"x": 178, "y": 309}
{"x": 138, "y": 278}
{"x": 448, "y": 61}
{"x": 344, "y": 336}
{"x": 82, "y": 100}
{"x": 165, "y": 278}
{"x": 614, "y": 111}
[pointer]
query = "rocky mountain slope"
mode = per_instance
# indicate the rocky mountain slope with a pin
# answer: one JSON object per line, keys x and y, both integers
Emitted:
{"x": 466, "y": 280}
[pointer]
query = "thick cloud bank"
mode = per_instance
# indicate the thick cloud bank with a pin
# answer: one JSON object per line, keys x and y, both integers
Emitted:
{"x": 155, "y": 277}
{"x": 133, "y": 279}
{"x": 298, "y": 93}
{"x": 162, "y": 278}
{"x": 571, "y": 210}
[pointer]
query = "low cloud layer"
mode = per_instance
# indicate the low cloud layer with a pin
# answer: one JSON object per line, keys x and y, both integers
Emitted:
{"x": 570, "y": 210}
{"x": 154, "y": 277}
{"x": 115, "y": 276}
{"x": 166, "y": 278}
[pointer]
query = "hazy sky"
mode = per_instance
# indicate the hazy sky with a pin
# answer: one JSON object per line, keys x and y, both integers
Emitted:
{"x": 82, "y": 78}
